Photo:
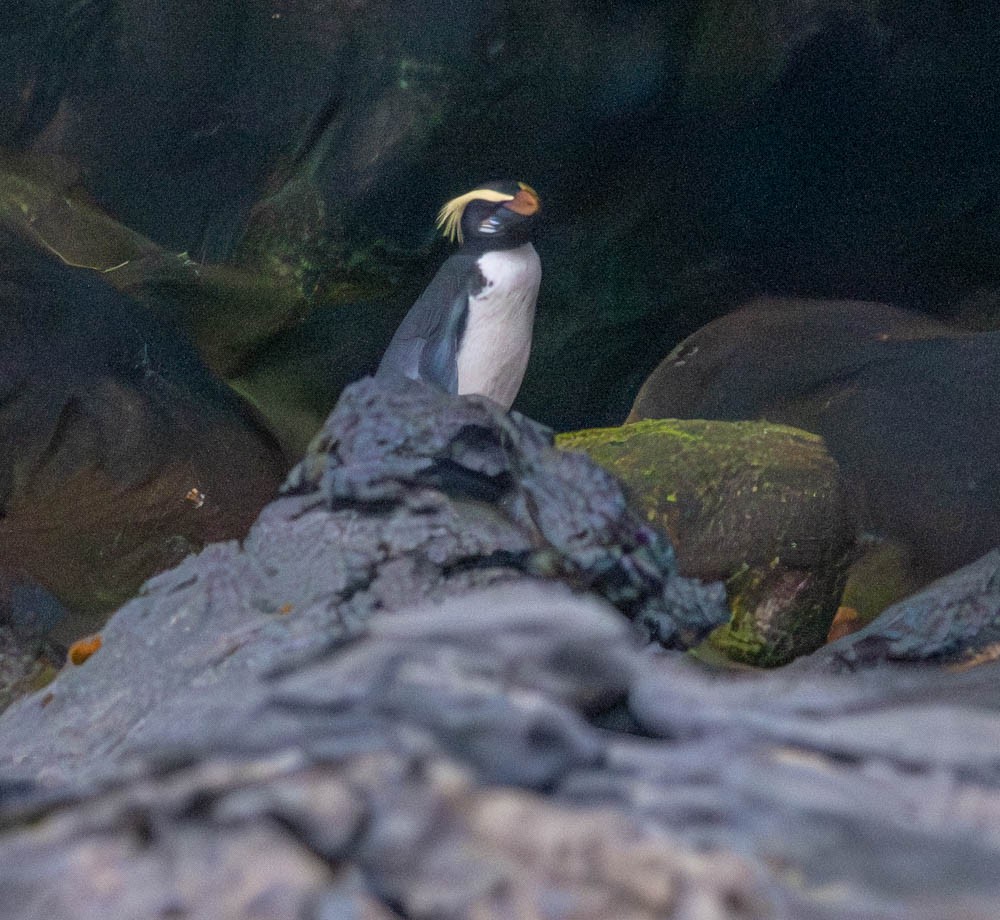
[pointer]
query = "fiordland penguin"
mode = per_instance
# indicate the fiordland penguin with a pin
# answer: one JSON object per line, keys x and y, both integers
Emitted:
{"x": 470, "y": 330}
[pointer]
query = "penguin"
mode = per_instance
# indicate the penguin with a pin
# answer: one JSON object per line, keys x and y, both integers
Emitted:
{"x": 470, "y": 330}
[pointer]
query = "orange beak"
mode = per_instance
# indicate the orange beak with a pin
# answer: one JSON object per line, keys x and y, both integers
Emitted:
{"x": 526, "y": 202}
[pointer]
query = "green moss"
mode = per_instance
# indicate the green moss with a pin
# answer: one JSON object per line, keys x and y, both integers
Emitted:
{"x": 757, "y": 505}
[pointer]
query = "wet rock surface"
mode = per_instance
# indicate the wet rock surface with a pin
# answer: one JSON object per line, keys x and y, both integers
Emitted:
{"x": 122, "y": 451}
{"x": 334, "y": 719}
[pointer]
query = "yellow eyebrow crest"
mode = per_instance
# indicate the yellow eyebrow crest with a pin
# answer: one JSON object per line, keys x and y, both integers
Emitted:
{"x": 449, "y": 219}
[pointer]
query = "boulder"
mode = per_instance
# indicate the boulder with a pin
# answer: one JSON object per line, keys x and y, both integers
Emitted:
{"x": 758, "y": 505}
{"x": 125, "y": 453}
{"x": 903, "y": 403}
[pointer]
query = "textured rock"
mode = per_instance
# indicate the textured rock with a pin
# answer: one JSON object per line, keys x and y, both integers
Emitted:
{"x": 372, "y": 758}
{"x": 406, "y": 496}
{"x": 955, "y": 620}
{"x": 456, "y": 760}
{"x": 378, "y": 447}
{"x": 345, "y": 716}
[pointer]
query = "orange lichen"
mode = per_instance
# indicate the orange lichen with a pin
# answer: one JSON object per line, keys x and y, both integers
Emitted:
{"x": 285, "y": 608}
{"x": 846, "y": 621}
{"x": 82, "y": 649}
{"x": 983, "y": 656}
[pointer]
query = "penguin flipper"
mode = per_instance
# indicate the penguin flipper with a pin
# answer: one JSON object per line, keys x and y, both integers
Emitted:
{"x": 439, "y": 357}
{"x": 425, "y": 347}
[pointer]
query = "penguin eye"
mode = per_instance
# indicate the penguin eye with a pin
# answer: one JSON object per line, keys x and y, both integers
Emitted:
{"x": 490, "y": 225}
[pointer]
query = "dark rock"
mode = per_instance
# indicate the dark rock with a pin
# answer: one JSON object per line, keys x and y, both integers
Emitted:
{"x": 376, "y": 706}
{"x": 127, "y": 452}
{"x": 229, "y": 314}
{"x": 777, "y": 350}
{"x": 955, "y": 620}
{"x": 904, "y": 404}
{"x": 380, "y": 447}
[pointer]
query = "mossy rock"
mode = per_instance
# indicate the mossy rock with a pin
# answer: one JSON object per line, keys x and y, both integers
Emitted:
{"x": 228, "y": 312}
{"x": 758, "y": 505}
{"x": 242, "y": 320}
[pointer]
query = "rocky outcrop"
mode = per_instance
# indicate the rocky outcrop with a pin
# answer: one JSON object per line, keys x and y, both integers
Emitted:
{"x": 404, "y": 496}
{"x": 560, "y": 515}
{"x": 406, "y": 694}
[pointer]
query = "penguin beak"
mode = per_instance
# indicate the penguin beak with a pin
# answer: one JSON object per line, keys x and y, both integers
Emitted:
{"x": 526, "y": 202}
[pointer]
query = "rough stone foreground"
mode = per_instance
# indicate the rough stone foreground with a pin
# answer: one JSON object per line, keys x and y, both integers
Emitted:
{"x": 287, "y": 729}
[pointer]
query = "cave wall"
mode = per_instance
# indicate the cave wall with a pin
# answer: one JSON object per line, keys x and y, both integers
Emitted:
{"x": 689, "y": 155}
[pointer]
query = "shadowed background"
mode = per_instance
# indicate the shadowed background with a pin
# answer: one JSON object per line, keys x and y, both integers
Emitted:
{"x": 688, "y": 155}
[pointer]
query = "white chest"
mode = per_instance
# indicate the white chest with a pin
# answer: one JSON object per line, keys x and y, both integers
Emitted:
{"x": 497, "y": 340}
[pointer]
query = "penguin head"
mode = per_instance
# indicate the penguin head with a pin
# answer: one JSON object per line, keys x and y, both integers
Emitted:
{"x": 497, "y": 215}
